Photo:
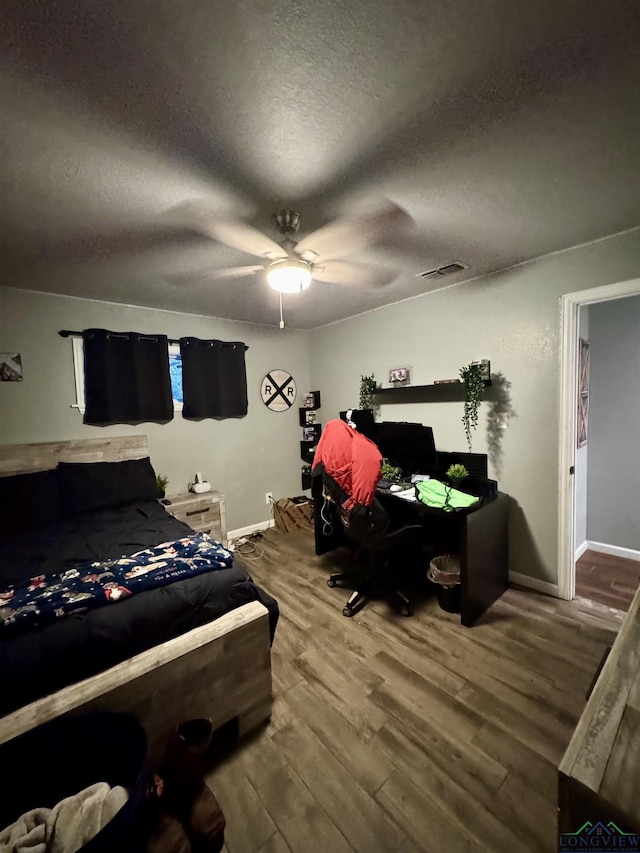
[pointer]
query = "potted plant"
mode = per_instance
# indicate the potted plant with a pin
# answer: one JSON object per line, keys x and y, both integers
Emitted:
{"x": 161, "y": 484}
{"x": 390, "y": 472}
{"x": 472, "y": 377}
{"x": 367, "y": 390}
{"x": 457, "y": 473}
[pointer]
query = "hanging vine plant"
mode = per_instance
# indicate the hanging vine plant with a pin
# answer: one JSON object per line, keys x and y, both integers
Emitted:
{"x": 367, "y": 390}
{"x": 473, "y": 380}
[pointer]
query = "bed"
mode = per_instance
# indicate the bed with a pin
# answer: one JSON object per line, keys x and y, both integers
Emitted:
{"x": 197, "y": 646}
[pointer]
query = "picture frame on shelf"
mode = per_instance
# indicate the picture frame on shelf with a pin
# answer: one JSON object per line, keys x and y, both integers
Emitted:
{"x": 311, "y": 400}
{"x": 400, "y": 377}
{"x": 485, "y": 367}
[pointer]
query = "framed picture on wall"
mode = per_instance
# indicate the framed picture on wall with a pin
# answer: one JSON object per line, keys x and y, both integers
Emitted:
{"x": 10, "y": 367}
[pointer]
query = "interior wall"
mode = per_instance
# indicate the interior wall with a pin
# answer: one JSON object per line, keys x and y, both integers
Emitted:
{"x": 243, "y": 458}
{"x": 581, "y": 458}
{"x": 511, "y": 318}
{"x": 614, "y": 414}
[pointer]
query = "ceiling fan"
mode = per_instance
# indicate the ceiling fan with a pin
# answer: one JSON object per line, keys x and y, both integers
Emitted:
{"x": 289, "y": 265}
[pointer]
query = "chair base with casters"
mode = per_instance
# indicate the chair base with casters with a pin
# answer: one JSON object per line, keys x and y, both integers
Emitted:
{"x": 369, "y": 588}
{"x": 378, "y": 580}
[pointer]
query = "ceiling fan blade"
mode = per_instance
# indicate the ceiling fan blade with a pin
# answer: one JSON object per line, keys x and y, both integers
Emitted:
{"x": 346, "y": 236}
{"x": 218, "y": 275}
{"x": 358, "y": 275}
{"x": 231, "y": 232}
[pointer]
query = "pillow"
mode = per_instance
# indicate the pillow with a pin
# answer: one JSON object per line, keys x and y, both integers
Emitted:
{"x": 29, "y": 500}
{"x": 88, "y": 486}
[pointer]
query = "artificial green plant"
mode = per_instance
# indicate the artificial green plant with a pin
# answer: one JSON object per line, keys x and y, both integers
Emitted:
{"x": 367, "y": 390}
{"x": 457, "y": 473}
{"x": 390, "y": 472}
{"x": 161, "y": 484}
{"x": 473, "y": 381}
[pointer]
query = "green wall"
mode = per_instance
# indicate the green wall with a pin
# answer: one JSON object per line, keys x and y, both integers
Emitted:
{"x": 243, "y": 458}
{"x": 511, "y": 318}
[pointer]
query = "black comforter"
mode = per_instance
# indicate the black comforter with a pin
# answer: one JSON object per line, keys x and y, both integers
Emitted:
{"x": 38, "y": 662}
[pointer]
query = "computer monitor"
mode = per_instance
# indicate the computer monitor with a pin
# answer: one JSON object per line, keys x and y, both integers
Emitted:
{"x": 363, "y": 419}
{"x": 408, "y": 446}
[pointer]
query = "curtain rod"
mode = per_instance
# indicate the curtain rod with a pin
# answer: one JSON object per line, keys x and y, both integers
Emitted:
{"x": 68, "y": 333}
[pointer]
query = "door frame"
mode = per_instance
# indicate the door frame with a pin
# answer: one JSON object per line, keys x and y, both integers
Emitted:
{"x": 569, "y": 315}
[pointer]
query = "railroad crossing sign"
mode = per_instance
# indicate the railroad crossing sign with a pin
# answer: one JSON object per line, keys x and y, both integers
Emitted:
{"x": 278, "y": 390}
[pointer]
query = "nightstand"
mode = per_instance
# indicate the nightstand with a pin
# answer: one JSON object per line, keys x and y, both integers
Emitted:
{"x": 204, "y": 512}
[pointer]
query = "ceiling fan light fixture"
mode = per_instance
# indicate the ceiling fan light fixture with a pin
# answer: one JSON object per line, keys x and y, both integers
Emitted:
{"x": 289, "y": 275}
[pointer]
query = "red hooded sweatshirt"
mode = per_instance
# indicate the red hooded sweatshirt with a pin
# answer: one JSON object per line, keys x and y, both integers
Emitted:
{"x": 350, "y": 459}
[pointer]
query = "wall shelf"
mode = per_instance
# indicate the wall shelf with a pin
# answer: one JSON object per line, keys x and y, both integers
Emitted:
{"x": 307, "y": 418}
{"x": 444, "y": 392}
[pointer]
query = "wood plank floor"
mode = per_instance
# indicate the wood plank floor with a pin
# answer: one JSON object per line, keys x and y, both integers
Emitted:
{"x": 414, "y": 734}
{"x": 609, "y": 580}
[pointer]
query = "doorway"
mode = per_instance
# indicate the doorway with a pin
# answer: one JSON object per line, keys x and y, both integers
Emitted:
{"x": 570, "y": 309}
{"x": 607, "y": 579}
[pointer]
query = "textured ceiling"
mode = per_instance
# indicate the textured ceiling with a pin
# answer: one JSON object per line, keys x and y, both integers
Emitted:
{"x": 505, "y": 129}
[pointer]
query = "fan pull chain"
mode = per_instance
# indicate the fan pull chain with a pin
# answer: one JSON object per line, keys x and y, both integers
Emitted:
{"x": 281, "y": 320}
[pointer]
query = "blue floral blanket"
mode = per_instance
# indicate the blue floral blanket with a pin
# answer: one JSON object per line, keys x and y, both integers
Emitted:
{"x": 45, "y": 599}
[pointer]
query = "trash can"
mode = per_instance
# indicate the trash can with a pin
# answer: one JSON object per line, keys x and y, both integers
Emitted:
{"x": 444, "y": 572}
{"x": 67, "y": 755}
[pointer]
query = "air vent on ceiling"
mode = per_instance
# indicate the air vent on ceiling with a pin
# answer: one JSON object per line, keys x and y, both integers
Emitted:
{"x": 448, "y": 269}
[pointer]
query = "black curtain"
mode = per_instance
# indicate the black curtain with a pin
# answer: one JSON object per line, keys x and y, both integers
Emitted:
{"x": 126, "y": 378}
{"x": 214, "y": 379}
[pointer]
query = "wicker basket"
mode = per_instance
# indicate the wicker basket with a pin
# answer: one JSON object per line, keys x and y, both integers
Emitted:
{"x": 290, "y": 515}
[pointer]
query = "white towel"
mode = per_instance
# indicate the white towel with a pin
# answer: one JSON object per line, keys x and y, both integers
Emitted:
{"x": 66, "y": 827}
{"x": 76, "y": 820}
{"x": 27, "y": 834}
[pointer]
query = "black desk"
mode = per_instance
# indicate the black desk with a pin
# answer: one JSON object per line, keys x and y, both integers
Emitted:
{"x": 479, "y": 536}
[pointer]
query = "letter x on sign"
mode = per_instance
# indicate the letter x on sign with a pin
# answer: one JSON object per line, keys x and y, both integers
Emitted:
{"x": 278, "y": 390}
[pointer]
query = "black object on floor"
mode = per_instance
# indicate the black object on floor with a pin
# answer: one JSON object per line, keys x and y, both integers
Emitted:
{"x": 449, "y": 598}
{"x": 444, "y": 573}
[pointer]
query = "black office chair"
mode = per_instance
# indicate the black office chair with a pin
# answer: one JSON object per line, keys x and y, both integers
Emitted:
{"x": 370, "y": 527}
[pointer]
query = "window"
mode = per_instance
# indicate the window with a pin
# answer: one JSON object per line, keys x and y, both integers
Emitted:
{"x": 175, "y": 369}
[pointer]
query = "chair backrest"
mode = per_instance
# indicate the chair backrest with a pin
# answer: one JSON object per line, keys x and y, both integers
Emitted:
{"x": 369, "y": 525}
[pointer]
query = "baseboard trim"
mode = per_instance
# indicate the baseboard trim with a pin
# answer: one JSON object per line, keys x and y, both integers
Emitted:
{"x": 581, "y": 549}
{"x": 614, "y": 550}
{"x": 249, "y": 529}
{"x": 534, "y": 583}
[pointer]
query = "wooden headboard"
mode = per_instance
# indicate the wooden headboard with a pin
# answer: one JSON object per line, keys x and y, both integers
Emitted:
{"x": 25, "y": 458}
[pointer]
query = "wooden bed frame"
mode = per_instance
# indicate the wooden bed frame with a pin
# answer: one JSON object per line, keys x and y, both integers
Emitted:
{"x": 221, "y": 670}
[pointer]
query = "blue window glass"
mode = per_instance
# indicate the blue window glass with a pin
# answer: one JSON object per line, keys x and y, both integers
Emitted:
{"x": 175, "y": 369}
